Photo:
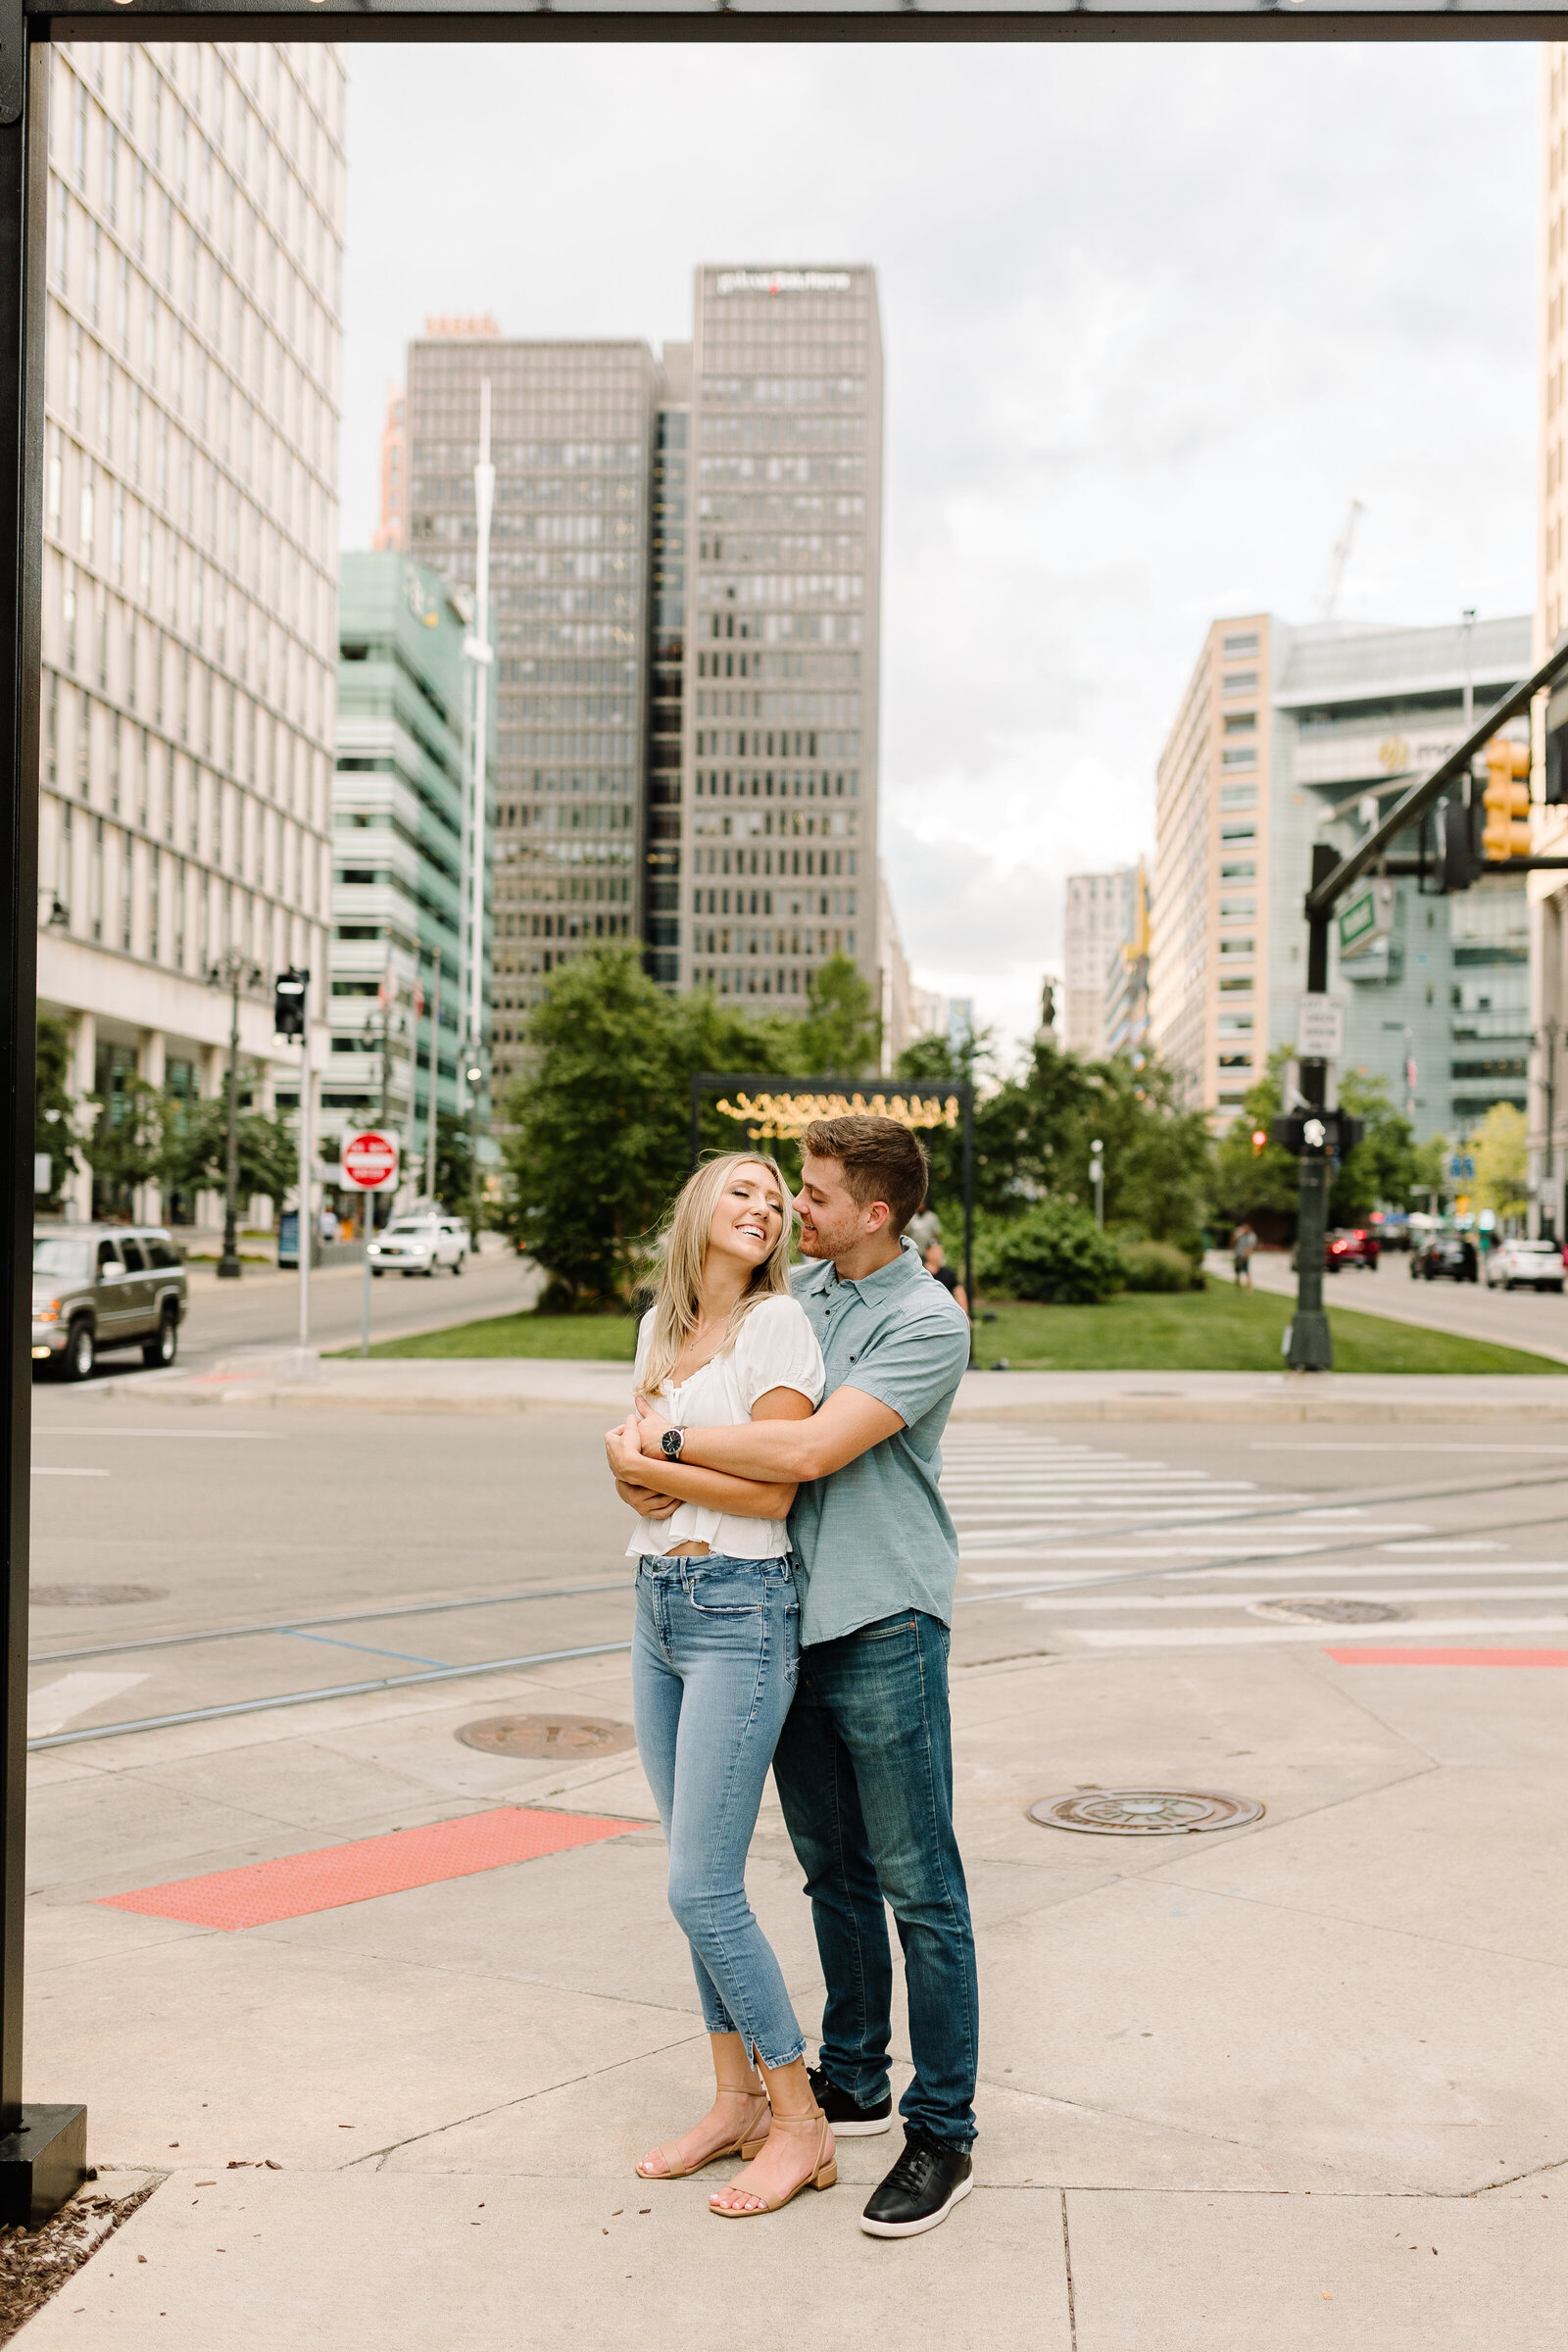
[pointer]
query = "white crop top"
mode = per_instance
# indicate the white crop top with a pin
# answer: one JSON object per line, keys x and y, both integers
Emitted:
{"x": 776, "y": 1348}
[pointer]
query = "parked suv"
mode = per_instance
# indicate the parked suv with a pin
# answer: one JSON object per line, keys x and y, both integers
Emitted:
{"x": 1447, "y": 1257}
{"x": 105, "y": 1286}
{"x": 419, "y": 1245}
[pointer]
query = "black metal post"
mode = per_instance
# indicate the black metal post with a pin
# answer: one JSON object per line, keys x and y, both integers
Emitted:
{"x": 968, "y": 1213}
{"x": 697, "y": 1120}
{"x": 1311, "y": 1349}
{"x": 42, "y": 2149}
{"x": 1548, "y": 1167}
{"x": 228, "y": 1265}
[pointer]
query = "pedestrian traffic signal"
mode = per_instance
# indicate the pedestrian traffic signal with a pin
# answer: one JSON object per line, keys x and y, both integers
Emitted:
{"x": 288, "y": 1002}
{"x": 1506, "y": 801}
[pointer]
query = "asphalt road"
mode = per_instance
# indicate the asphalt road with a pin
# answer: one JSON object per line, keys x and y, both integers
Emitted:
{"x": 1186, "y": 1536}
{"x": 1533, "y": 1319}
{"x": 262, "y": 1309}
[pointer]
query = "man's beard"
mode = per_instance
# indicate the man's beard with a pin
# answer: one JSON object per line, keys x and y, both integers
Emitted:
{"x": 813, "y": 1246}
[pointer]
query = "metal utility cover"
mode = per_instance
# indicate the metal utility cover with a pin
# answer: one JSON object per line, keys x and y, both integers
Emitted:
{"x": 548, "y": 1736}
{"x": 92, "y": 1597}
{"x": 1144, "y": 1812}
{"x": 1328, "y": 1609}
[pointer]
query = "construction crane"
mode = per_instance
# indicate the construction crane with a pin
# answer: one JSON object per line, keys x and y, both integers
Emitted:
{"x": 1338, "y": 560}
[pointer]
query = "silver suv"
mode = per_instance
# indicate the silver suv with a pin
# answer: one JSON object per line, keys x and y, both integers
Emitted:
{"x": 105, "y": 1286}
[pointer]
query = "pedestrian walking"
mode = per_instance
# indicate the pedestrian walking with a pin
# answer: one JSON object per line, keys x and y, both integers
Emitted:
{"x": 865, "y": 1761}
{"x": 1243, "y": 1240}
{"x": 716, "y": 1653}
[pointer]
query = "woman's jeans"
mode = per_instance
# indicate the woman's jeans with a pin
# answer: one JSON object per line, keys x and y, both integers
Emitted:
{"x": 713, "y": 1663}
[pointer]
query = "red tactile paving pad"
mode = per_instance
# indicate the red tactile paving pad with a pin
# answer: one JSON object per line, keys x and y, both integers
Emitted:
{"x": 1450, "y": 1657}
{"x": 298, "y": 1884}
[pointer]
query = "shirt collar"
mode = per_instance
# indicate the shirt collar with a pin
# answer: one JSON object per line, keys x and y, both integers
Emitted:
{"x": 890, "y": 1277}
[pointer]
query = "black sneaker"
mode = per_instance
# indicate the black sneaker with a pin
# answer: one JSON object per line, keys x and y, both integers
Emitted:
{"x": 850, "y": 2121}
{"x": 922, "y": 2188}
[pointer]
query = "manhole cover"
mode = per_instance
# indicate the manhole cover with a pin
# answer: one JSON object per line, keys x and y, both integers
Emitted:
{"x": 1144, "y": 1812}
{"x": 548, "y": 1736}
{"x": 1329, "y": 1610}
{"x": 92, "y": 1597}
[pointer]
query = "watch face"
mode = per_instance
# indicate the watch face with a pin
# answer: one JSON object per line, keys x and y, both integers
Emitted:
{"x": 671, "y": 1443}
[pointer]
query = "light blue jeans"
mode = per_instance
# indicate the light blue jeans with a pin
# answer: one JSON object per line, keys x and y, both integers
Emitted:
{"x": 715, "y": 1657}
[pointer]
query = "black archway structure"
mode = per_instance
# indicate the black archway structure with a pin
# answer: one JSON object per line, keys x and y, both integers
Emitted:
{"x": 42, "y": 2149}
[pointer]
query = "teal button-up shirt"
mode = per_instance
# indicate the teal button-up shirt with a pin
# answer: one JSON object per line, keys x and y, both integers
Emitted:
{"x": 875, "y": 1536}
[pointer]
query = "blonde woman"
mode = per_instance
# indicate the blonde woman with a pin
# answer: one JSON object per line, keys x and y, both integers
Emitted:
{"x": 716, "y": 1652}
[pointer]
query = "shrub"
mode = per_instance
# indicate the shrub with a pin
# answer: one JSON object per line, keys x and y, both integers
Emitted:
{"x": 1055, "y": 1254}
{"x": 1156, "y": 1266}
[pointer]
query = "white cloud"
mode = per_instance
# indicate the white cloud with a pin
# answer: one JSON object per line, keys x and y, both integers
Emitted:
{"x": 1153, "y": 318}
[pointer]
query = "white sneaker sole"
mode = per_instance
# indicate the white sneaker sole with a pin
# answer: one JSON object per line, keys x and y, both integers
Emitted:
{"x": 867, "y": 2130}
{"x": 930, "y": 2221}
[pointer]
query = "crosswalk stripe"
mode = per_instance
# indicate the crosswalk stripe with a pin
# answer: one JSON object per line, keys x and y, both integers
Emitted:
{"x": 1213, "y": 1637}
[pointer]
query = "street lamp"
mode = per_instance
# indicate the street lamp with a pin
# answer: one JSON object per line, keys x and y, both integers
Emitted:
{"x": 474, "y": 1075}
{"x": 1096, "y": 1177}
{"x": 232, "y": 971}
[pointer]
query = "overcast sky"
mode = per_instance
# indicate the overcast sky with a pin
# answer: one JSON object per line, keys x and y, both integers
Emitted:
{"x": 1152, "y": 317}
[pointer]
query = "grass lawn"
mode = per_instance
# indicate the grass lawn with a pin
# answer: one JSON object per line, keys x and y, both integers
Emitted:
{"x": 1217, "y": 1330}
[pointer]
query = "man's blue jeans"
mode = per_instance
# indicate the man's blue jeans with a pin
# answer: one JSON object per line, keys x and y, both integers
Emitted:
{"x": 864, "y": 1769}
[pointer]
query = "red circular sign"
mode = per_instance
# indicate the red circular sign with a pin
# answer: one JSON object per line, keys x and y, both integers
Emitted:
{"x": 371, "y": 1160}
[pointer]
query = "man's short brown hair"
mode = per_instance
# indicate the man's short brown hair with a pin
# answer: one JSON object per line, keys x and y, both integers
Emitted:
{"x": 881, "y": 1161}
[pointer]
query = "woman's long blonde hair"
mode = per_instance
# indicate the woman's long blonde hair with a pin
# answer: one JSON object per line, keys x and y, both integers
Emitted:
{"x": 678, "y": 1305}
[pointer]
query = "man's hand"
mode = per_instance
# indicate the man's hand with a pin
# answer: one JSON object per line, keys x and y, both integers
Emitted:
{"x": 650, "y": 1427}
{"x": 623, "y": 1449}
{"x": 645, "y": 1502}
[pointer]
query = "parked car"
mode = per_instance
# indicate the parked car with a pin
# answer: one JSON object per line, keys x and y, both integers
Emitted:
{"x": 1531, "y": 1265}
{"x": 419, "y": 1245}
{"x": 1447, "y": 1258}
{"x": 1352, "y": 1248}
{"x": 105, "y": 1286}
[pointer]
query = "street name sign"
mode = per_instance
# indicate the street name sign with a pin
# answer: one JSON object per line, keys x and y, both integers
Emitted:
{"x": 371, "y": 1161}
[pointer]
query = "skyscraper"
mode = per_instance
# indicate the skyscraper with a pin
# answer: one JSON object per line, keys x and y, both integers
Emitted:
{"x": 1548, "y": 892}
{"x": 687, "y": 559}
{"x": 190, "y": 552}
{"x": 572, "y": 428}
{"x": 783, "y": 629}
{"x": 1102, "y": 916}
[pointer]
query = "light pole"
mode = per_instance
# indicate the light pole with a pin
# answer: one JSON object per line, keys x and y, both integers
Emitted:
{"x": 475, "y": 1078}
{"x": 1096, "y": 1177}
{"x": 230, "y": 971}
{"x": 1548, "y": 1087}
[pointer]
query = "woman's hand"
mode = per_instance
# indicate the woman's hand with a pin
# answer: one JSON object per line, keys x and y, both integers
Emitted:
{"x": 623, "y": 1450}
{"x": 650, "y": 1427}
{"x": 646, "y": 1502}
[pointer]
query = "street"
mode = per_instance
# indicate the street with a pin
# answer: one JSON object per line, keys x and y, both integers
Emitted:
{"x": 1342, "y": 2024}
{"x": 262, "y": 1309}
{"x": 1533, "y": 1319}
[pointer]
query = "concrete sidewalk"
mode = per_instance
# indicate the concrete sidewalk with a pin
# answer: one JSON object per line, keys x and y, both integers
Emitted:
{"x": 524, "y": 1384}
{"x": 1289, "y": 2087}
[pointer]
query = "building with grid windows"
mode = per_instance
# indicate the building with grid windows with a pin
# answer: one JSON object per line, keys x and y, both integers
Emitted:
{"x": 1285, "y": 736}
{"x": 398, "y": 1002}
{"x": 686, "y": 587}
{"x": 572, "y": 429}
{"x": 190, "y": 553}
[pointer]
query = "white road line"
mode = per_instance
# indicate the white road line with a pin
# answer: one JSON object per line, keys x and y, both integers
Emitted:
{"x": 66, "y": 1429}
{"x": 1446, "y": 1544}
{"x": 1153, "y": 1553}
{"x": 50, "y": 1470}
{"x": 58, "y": 1703}
{"x": 1206, "y": 1637}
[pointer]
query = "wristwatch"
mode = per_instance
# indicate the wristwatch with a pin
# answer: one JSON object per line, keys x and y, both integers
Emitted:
{"x": 672, "y": 1440}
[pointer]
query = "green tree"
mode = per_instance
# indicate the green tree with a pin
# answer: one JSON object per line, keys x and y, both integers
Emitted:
{"x": 1384, "y": 1170}
{"x": 54, "y": 1107}
{"x": 1501, "y": 1162}
{"x": 452, "y": 1188}
{"x": 841, "y": 1030}
{"x": 194, "y": 1156}
{"x": 1247, "y": 1182}
{"x": 127, "y": 1145}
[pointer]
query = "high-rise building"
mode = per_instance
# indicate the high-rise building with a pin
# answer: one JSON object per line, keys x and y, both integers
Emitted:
{"x": 893, "y": 968}
{"x": 394, "y": 528}
{"x": 398, "y": 810}
{"x": 779, "y": 823}
{"x": 1099, "y": 921}
{"x": 571, "y": 443}
{"x": 1285, "y": 736}
{"x": 190, "y": 553}
{"x": 1124, "y": 1022}
{"x": 686, "y": 568}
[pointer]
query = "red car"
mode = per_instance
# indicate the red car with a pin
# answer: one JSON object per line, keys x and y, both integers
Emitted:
{"x": 1357, "y": 1247}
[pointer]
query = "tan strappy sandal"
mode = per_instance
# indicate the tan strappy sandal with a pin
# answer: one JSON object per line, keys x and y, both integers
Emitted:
{"x": 823, "y": 2175}
{"x": 752, "y": 2137}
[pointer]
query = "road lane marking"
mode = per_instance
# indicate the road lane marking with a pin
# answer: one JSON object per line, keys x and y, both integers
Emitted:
{"x": 1213, "y": 1637}
{"x": 55, "y": 1470}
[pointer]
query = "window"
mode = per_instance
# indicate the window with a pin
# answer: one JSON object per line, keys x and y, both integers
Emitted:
{"x": 1238, "y": 681}
{"x": 1239, "y": 984}
{"x": 130, "y": 1252}
{"x": 1243, "y": 755}
{"x": 1238, "y": 832}
{"x": 1237, "y": 946}
{"x": 1237, "y": 646}
{"x": 1238, "y": 870}
{"x": 1232, "y": 911}
{"x": 1241, "y": 722}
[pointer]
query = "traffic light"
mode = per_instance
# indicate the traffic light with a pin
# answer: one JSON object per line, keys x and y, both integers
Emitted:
{"x": 1259, "y": 1139}
{"x": 1506, "y": 801}
{"x": 1331, "y": 1132}
{"x": 288, "y": 1002}
{"x": 1462, "y": 863}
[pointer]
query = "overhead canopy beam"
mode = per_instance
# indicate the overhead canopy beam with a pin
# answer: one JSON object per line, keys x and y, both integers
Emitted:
{"x": 712, "y": 20}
